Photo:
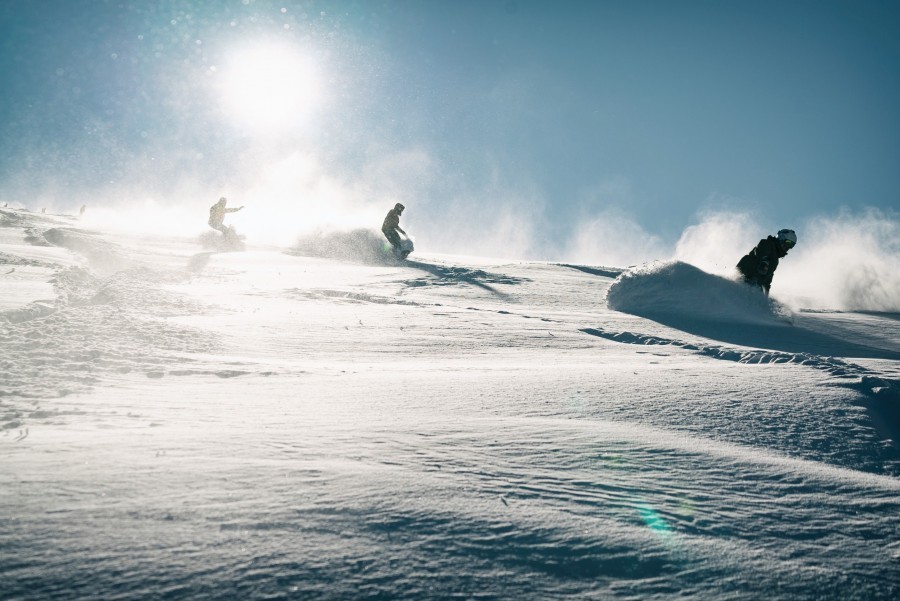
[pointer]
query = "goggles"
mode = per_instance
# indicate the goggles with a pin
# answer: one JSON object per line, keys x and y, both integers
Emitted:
{"x": 788, "y": 243}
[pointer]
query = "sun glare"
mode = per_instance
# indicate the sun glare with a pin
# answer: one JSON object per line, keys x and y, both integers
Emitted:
{"x": 269, "y": 88}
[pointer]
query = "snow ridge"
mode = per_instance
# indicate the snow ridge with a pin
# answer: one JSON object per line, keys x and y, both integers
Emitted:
{"x": 882, "y": 395}
{"x": 868, "y": 383}
{"x": 674, "y": 288}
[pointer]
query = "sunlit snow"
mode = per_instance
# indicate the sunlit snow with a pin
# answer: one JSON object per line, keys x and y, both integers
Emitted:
{"x": 321, "y": 421}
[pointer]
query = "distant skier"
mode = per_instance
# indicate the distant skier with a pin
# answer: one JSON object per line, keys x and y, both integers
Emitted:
{"x": 82, "y": 210}
{"x": 391, "y": 229}
{"x": 391, "y": 226}
{"x": 217, "y": 215}
{"x": 759, "y": 265}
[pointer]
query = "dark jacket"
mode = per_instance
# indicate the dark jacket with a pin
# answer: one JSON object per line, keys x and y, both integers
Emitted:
{"x": 391, "y": 221}
{"x": 759, "y": 265}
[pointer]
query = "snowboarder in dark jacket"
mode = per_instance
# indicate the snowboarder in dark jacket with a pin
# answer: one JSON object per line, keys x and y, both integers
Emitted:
{"x": 391, "y": 226}
{"x": 759, "y": 265}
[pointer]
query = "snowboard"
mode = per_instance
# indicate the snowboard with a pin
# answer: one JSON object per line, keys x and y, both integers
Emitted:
{"x": 406, "y": 247}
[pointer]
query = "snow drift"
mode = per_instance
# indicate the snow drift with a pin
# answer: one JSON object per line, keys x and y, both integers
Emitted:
{"x": 676, "y": 289}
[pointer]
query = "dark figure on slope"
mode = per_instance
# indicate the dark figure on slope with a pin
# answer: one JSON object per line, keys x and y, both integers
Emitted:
{"x": 391, "y": 226}
{"x": 217, "y": 215}
{"x": 759, "y": 265}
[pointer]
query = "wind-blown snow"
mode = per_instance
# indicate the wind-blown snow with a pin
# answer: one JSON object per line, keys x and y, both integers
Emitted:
{"x": 321, "y": 421}
{"x": 848, "y": 261}
{"x": 679, "y": 289}
{"x": 363, "y": 245}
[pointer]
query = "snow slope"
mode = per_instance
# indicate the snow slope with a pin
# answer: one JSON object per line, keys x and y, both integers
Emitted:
{"x": 320, "y": 423}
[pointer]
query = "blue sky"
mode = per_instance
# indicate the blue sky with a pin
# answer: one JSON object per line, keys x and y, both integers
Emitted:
{"x": 660, "y": 110}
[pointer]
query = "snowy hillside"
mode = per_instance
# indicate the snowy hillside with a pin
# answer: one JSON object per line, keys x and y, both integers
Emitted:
{"x": 321, "y": 422}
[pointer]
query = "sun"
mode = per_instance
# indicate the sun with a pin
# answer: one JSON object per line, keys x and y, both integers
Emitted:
{"x": 269, "y": 87}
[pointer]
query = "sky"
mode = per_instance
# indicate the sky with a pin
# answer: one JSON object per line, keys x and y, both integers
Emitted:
{"x": 527, "y": 123}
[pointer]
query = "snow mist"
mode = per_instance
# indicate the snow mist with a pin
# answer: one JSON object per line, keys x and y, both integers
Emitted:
{"x": 849, "y": 261}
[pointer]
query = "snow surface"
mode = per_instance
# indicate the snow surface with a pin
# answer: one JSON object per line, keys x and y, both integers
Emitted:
{"x": 323, "y": 422}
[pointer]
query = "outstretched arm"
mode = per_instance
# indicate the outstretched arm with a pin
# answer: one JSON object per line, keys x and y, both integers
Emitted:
{"x": 234, "y": 210}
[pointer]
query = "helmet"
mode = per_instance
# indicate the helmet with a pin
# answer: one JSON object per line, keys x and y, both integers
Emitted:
{"x": 399, "y": 207}
{"x": 787, "y": 237}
